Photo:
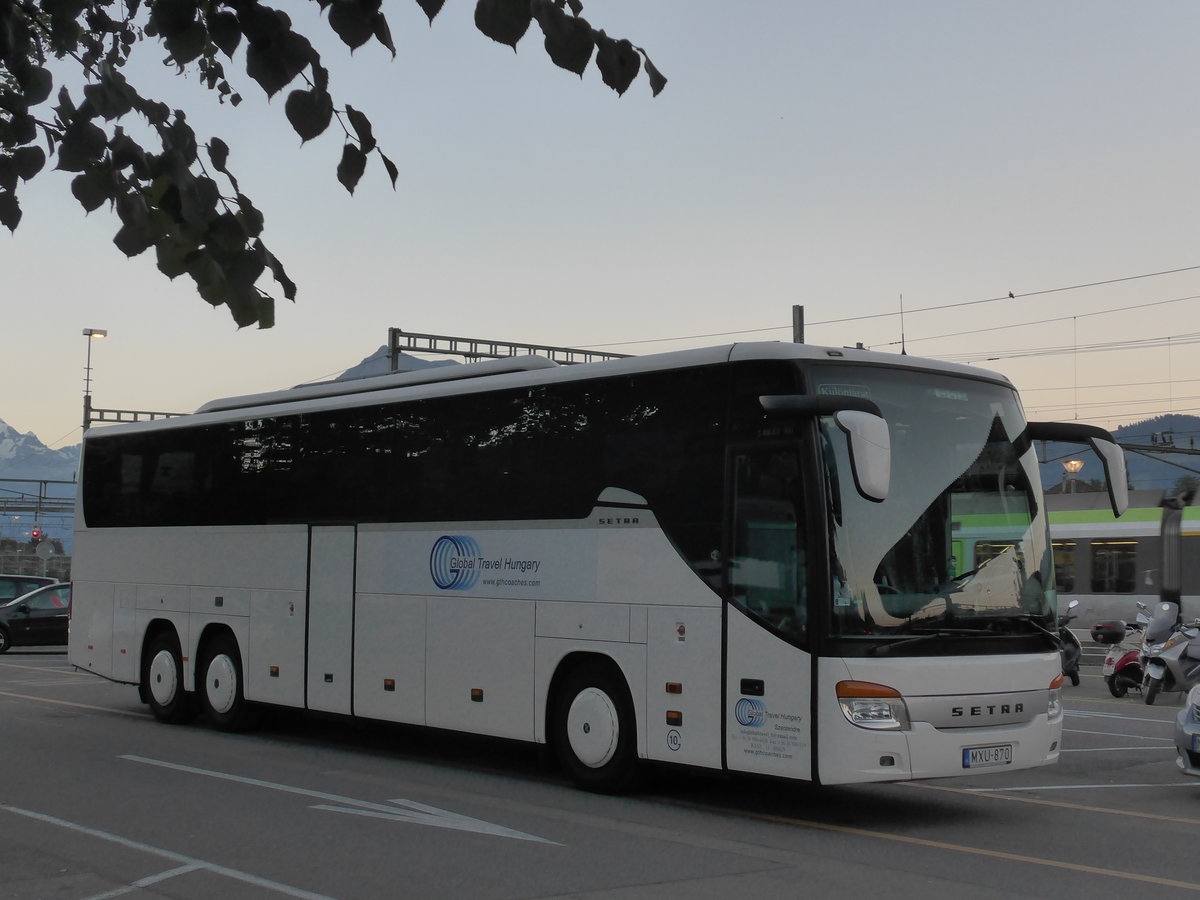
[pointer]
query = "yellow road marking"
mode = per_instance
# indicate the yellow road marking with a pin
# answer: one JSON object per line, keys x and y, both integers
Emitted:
{"x": 995, "y": 795}
{"x": 44, "y": 669}
{"x": 979, "y": 851}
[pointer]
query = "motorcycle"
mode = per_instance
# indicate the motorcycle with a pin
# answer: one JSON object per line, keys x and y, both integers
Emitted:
{"x": 1122, "y": 668}
{"x": 1069, "y": 646}
{"x": 1171, "y": 653}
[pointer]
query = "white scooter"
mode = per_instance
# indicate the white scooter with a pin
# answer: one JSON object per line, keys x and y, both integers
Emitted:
{"x": 1171, "y": 654}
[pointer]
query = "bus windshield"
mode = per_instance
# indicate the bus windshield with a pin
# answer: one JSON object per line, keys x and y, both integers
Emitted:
{"x": 961, "y": 542}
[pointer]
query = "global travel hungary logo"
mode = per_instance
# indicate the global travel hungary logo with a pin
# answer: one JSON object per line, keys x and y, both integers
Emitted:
{"x": 453, "y": 563}
{"x": 456, "y": 564}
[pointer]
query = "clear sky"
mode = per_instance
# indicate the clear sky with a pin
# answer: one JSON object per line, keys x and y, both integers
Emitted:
{"x": 853, "y": 158}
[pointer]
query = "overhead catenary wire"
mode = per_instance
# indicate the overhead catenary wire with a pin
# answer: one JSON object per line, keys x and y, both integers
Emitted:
{"x": 863, "y": 318}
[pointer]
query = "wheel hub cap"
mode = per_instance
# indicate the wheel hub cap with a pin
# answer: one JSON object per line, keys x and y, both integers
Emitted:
{"x": 592, "y": 728}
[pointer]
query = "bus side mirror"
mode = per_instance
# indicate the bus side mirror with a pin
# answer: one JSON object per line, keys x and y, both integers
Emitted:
{"x": 1111, "y": 456}
{"x": 866, "y": 433}
{"x": 870, "y": 452}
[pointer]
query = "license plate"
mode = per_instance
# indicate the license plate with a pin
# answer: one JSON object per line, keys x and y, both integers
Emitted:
{"x": 980, "y": 757}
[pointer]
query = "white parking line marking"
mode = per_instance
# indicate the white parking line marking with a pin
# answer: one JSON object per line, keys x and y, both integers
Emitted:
{"x": 145, "y": 882}
{"x": 1132, "y": 737}
{"x": 1100, "y": 715}
{"x": 188, "y": 863}
{"x": 412, "y": 812}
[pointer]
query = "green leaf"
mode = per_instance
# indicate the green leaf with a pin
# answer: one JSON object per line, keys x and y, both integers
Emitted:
{"x": 310, "y": 112}
{"x": 132, "y": 239}
{"x": 431, "y": 7}
{"x": 504, "y": 21}
{"x": 227, "y": 233}
{"x": 618, "y": 62}
{"x": 569, "y": 40}
{"x": 657, "y": 81}
{"x": 353, "y": 21}
{"x": 37, "y": 85}
{"x": 393, "y": 172}
{"x": 246, "y": 304}
{"x": 362, "y": 127}
{"x": 218, "y": 152}
{"x": 186, "y": 45}
{"x": 383, "y": 33}
{"x": 10, "y": 210}
{"x": 127, "y": 153}
{"x": 172, "y": 254}
{"x": 110, "y": 97}
{"x": 351, "y": 168}
{"x": 92, "y": 189}
{"x": 273, "y": 62}
{"x": 225, "y": 31}
{"x": 246, "y": 267}
{"x": 172, "y": 17}
{"x": 276, "y": 267}
{"x": 28, "y": 161}
{"x": 82, "y": 143}
{"x": 252, "y": 219}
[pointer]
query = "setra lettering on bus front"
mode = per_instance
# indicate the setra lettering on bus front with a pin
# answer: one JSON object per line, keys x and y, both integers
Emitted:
{"x": 1003, "y": 709}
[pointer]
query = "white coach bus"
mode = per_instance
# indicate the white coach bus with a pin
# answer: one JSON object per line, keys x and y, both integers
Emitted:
{"x": 738, "y": 558}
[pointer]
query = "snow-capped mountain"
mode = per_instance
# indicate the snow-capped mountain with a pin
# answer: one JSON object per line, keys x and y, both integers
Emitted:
{"x": 24, "y": 456}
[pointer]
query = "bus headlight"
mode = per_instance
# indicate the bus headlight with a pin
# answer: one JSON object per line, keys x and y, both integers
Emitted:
{"x": 1054, "y": 707}
{"x": 870, "y": 705}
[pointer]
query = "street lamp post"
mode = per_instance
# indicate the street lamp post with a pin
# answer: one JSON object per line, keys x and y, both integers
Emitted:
{"x": 91, "y": 334}
{"x": 1072, "y": 467}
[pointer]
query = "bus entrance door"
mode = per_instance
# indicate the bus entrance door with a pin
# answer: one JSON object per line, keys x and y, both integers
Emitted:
{"x": 768, "y": 676}
{"x": 330, "y": 643}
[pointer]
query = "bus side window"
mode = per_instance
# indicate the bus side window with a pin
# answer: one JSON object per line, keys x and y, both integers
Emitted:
{"x": 768, "y": 566}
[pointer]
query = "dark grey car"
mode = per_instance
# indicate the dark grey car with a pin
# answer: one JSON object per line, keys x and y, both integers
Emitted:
{"x": 37, "y": 619}
{"x": 13, "y": 586}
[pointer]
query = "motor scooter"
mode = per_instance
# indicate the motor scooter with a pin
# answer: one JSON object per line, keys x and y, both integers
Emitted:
{"x": 1122, "y": 668}
{"x": 1069, "y": 647}
{"x": 1171, "y": 649}
{"x": 1170, "y": 654}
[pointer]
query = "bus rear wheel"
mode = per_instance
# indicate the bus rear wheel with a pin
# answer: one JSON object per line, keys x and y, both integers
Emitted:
{"x": 593, "y": 729}
{"x": 220, "y": 691}
{"x": 162, "y": 677}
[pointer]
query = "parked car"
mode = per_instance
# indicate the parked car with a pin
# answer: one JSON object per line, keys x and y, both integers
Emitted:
{"x": 13, "y": 586}
{"x": 1187, "y": 734}
{"x": 37, "y": 619}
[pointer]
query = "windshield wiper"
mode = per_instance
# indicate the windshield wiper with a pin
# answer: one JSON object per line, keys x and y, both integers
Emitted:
{"x": 1028, "y": 617}
{"x": 885, "y": 649}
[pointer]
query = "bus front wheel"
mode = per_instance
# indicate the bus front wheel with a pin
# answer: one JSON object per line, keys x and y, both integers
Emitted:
{"x": 221, "y": 689}
{"x": 594, "y": 735}
{"x": 162, "y": 677}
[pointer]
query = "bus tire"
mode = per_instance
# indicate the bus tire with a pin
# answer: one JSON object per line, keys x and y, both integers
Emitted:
{"x": 162, "y": 677}
{"x": 220, "y": 687}
{"x": 594, "y": 735}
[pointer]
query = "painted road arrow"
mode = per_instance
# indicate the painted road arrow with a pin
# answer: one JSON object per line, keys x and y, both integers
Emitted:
{"x": 409, "y": 810}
